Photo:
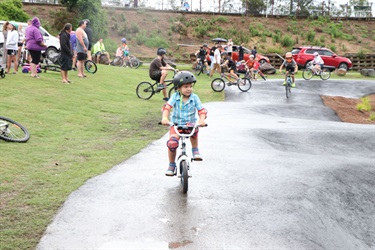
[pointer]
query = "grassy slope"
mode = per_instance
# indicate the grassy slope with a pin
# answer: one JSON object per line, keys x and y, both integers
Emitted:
{"x": 77, "y": 131}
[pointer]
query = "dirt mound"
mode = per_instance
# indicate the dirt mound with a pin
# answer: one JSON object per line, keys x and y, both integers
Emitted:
{"x": 346, "y": 109}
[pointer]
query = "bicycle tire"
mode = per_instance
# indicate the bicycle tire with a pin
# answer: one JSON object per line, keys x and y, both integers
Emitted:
{"x": 13, "y": 131}
{"x": 134, "y": 63}
{"x": 145, "y": 90}
{"x": 198, "y": 69}
{"x": 184, "y": 176}
{"x": 245, "y": 84}
{"x": 287, "y": 89}
{"x": 118, "y": 61}
{"x": 90, "y": 66}
{"x": 307, "y": 74}
{"x": 218, "y": 84}
{"x": 325, "y": 74}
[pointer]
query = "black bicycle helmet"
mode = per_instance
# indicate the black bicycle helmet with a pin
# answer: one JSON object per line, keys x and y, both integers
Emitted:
{"x": 161, "y": 51}
{"x": 205, "y": 45}
{"x": 224, "y": 54}
{"x": 183, "y": 77}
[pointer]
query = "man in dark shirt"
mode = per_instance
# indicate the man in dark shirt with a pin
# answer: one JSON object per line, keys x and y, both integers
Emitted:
{"x": 212, "y": 51}
{"x": 240, "y": 52}
{"x": 89, "y": 33}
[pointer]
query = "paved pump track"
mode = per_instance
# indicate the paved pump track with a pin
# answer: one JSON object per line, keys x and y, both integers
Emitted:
{"x": 277, "y": 174}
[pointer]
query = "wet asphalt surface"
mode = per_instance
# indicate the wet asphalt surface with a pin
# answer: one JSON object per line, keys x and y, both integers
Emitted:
{"x": 277, "y": 174}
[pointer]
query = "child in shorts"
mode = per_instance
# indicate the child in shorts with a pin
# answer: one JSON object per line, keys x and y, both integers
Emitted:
{"x": 185, "y": 105}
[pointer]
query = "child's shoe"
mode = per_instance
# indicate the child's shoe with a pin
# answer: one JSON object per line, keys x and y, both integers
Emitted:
{"x": 170, "y": 170}
{"x": 284, "y": 83}
{"x": 293, "y": 85}
{"x": 197, "y": 156}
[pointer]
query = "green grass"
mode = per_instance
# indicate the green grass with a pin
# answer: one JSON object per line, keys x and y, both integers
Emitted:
{"x": 78, "y": 131}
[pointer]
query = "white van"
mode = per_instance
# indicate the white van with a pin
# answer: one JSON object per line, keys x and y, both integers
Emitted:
{"x": 53, "y": 43}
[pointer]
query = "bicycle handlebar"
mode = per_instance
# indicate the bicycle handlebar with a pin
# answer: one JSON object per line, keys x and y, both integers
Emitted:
{"x": 184, "y": 127}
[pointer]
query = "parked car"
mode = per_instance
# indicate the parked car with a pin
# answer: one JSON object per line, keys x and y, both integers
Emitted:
{"x": 305, "y": 54}
{"x": 53, "y": 43}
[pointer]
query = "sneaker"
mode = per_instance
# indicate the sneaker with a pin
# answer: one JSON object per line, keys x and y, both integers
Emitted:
{"x": 170, "y": 171}
{"x": 197, "y": 156}
{"x": 161, "y": 87}
{"x": 284, "y": 83}
{"x": 293, "y": 85}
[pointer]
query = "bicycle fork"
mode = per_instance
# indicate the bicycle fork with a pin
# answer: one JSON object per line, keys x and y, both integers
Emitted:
{"x": 183, "y": 157}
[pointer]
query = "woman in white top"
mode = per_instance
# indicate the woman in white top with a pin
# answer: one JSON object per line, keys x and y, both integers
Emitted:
{"x": 12, "y": 46}
{"x": 317, "y": 62}
{"x": 229, "y": 47}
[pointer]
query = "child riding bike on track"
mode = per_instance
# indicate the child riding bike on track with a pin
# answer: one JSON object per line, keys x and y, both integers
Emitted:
{"x": 290, "y": 65}
{"x": 318, "y": 63}
{"x": 232, "y": 67}
{"x": 185, "y": 105}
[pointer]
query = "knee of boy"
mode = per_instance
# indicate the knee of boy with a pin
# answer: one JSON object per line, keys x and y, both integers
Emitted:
{"x": 172, "y": 144}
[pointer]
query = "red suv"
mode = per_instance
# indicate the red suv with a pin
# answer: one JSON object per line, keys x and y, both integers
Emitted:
{"x": 305, "y": 54}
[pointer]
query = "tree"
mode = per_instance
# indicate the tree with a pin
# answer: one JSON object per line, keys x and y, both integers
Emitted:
{"x": 12, "y": 10}
{"x": 254, "y": 7}
{"x": 92, "y": 10}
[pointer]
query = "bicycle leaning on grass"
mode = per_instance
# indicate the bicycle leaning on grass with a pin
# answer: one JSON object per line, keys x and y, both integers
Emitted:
{"x": 12, "y": 131}
{"x": 309, "y": 72}
{"x": 146, "y": 90}
{"x": 182, "y": 169}
{"x": 218, "y": 84}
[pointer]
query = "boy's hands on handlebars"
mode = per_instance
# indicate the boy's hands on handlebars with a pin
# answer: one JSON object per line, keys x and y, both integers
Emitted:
{"x": 202, "y": 123}
{"x": 165, "y": 121}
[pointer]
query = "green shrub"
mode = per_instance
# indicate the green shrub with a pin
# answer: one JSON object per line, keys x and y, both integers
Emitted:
{"x": 361, "y": 54}
{"x": 222, "y": 19}
{"x": 276, "y": 37}
{"x": 122, "y": 17}
{"x": 253, "y": 31}
{"x": 287, "y": 41}
{"x": 332, "y": 47}
{"x": 272, "y": 49}
{"x": 365, "y": 105}
{"x": 200, "y": 31}
{"x": 310, "y": 36}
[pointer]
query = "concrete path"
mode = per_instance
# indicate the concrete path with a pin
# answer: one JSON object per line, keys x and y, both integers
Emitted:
{"x": 277, "y": 174}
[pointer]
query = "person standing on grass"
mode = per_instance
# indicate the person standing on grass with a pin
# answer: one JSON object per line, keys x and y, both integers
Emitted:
{"x": 90, "y": 37}
{"x": 82, "y": 47}
{"x": 35, "y": 44}
{"x": 5, "y": 34}
{"x": 12, "y": 46}
{"x": 66, "y": 57}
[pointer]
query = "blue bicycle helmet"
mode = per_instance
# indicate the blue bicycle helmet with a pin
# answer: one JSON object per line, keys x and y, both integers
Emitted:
{"x": 123, "y": 40}
{"x": 161, "y": 51}
{"x": 183, "y": 77}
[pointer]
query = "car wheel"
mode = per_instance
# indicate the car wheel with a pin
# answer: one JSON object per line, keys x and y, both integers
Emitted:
{"x": 262, "y": 61}
{"x": 51, "y": 52}
{"x": 308, "y": 64}
{"x": 343, "y": 66}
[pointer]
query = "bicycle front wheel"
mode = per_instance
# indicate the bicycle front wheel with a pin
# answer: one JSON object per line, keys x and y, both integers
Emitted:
{"x": 287, "y": 90}
{"x": 12, "y": 131}
{"x": 90, "y": 66}
{"x": 198, "y": 68}
{"x": 134, "y": 63}
{"x": 307, "y": 74}
{"x": 217, "y": 84}
{"x": 325, "y": 74}
{"x": 245, "y": 84}
{"x": 184, "y": 176}
{"x": 145, "y": 90}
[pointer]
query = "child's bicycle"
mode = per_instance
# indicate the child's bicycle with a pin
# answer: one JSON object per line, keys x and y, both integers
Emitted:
{"x": 288, "y": 85}
{"x": 308, "y": 73}
{"x": 182, "y": 169}
{"x": 12, "y": 131}
{"x": 132, "y": 62}
{"x": 53, "y": 63}
{"x": 218, "y": 84}
{"x": 146, "y": 90}
{"x": 2, "y": 72}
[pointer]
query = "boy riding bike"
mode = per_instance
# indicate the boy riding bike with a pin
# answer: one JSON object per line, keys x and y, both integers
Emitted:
{"x": 201, "y": 56}
{"x": 290, "y": 66}
{"x": 185, "y": 105}
{"x": 232, "y": 67}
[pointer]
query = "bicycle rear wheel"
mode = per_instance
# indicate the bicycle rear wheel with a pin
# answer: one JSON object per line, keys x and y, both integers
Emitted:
{"x": 118, "y": 61}
{"x": 325, "y": 74}
{"x": 145, "y": 90}
{"x": 171, "y": 91}
{"x": 307, "y": 74}
{"x": 12, "y": 131}
{"x": 90, "y": 66}
{"x": 198, "y": 68}
{"x": 245, "y": 84}
{"x": 184, "y": 176}
{"x": 217, "y": 84}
